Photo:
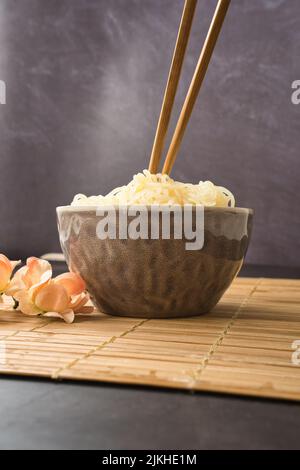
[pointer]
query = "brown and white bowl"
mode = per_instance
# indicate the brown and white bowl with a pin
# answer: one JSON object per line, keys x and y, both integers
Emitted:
{"x": 155, "y": 278}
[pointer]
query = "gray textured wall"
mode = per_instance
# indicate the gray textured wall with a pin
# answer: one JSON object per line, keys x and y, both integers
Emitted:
{"x": 85, "y": 80}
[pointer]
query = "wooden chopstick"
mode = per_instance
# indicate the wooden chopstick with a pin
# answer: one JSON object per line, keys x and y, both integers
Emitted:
{"x": 196, "y": 82}
{"x": 172, "y": 83}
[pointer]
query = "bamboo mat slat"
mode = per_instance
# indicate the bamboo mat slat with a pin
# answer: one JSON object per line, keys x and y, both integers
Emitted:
{"x": 244, "y": 346}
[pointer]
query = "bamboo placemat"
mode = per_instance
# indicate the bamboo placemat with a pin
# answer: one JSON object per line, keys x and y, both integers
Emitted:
{"x": 244, "y": 346}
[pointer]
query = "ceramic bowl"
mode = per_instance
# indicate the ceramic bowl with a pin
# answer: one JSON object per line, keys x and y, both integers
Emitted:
{"x": 155, "y": 278}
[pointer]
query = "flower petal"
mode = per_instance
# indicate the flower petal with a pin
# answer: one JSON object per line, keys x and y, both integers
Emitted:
{"x": 33, "y": 275}
{"x": 72, "y": 282}
{"x": 68, "y": 316}
{"x": 17, "y": 282}
{"x": 79, "y": 302}
{"x": 5, "y": 273}
{"x": 35, "y": 289}
{"x": 52, "y": 297}
{"x": 36, "y": 268}
{"x": 15, "y": 263}
{"x": 5, "y": 260}
{"x": 4, "y": 277}
{"x": 25, "y": 303}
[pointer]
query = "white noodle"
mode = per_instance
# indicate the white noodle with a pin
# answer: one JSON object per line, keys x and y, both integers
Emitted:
{"x": 147, "y": 189}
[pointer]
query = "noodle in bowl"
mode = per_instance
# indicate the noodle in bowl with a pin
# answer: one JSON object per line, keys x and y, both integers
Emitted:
{"x": 146, "y": 188}
{"x": 156, "y": 278}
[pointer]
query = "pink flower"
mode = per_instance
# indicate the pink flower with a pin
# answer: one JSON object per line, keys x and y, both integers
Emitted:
{"x": 36, "y": 272}
{"x": 37, "y": 293}
{"x": 6, "y": 269}
{"x": 62, "y": 297}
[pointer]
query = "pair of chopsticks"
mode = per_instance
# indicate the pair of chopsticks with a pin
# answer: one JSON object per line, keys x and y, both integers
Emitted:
{"x": 173, "y": 80}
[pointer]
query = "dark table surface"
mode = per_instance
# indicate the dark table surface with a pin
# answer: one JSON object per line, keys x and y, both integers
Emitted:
{"x": 38, "y": 414}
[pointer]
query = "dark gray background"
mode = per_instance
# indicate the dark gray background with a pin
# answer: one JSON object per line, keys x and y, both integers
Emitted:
{"x": 85, "y": 79}
{"x": 44, "y": 415}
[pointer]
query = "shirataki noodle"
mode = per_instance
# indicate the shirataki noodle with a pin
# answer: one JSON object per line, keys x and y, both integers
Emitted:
{"x": 147, "y": 189}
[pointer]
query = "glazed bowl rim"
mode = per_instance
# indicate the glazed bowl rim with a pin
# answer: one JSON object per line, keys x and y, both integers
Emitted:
{"x": 89, "y": 208}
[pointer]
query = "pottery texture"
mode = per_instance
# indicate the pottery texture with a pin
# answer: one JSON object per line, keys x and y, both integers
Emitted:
{"x": 156, "y": 278}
